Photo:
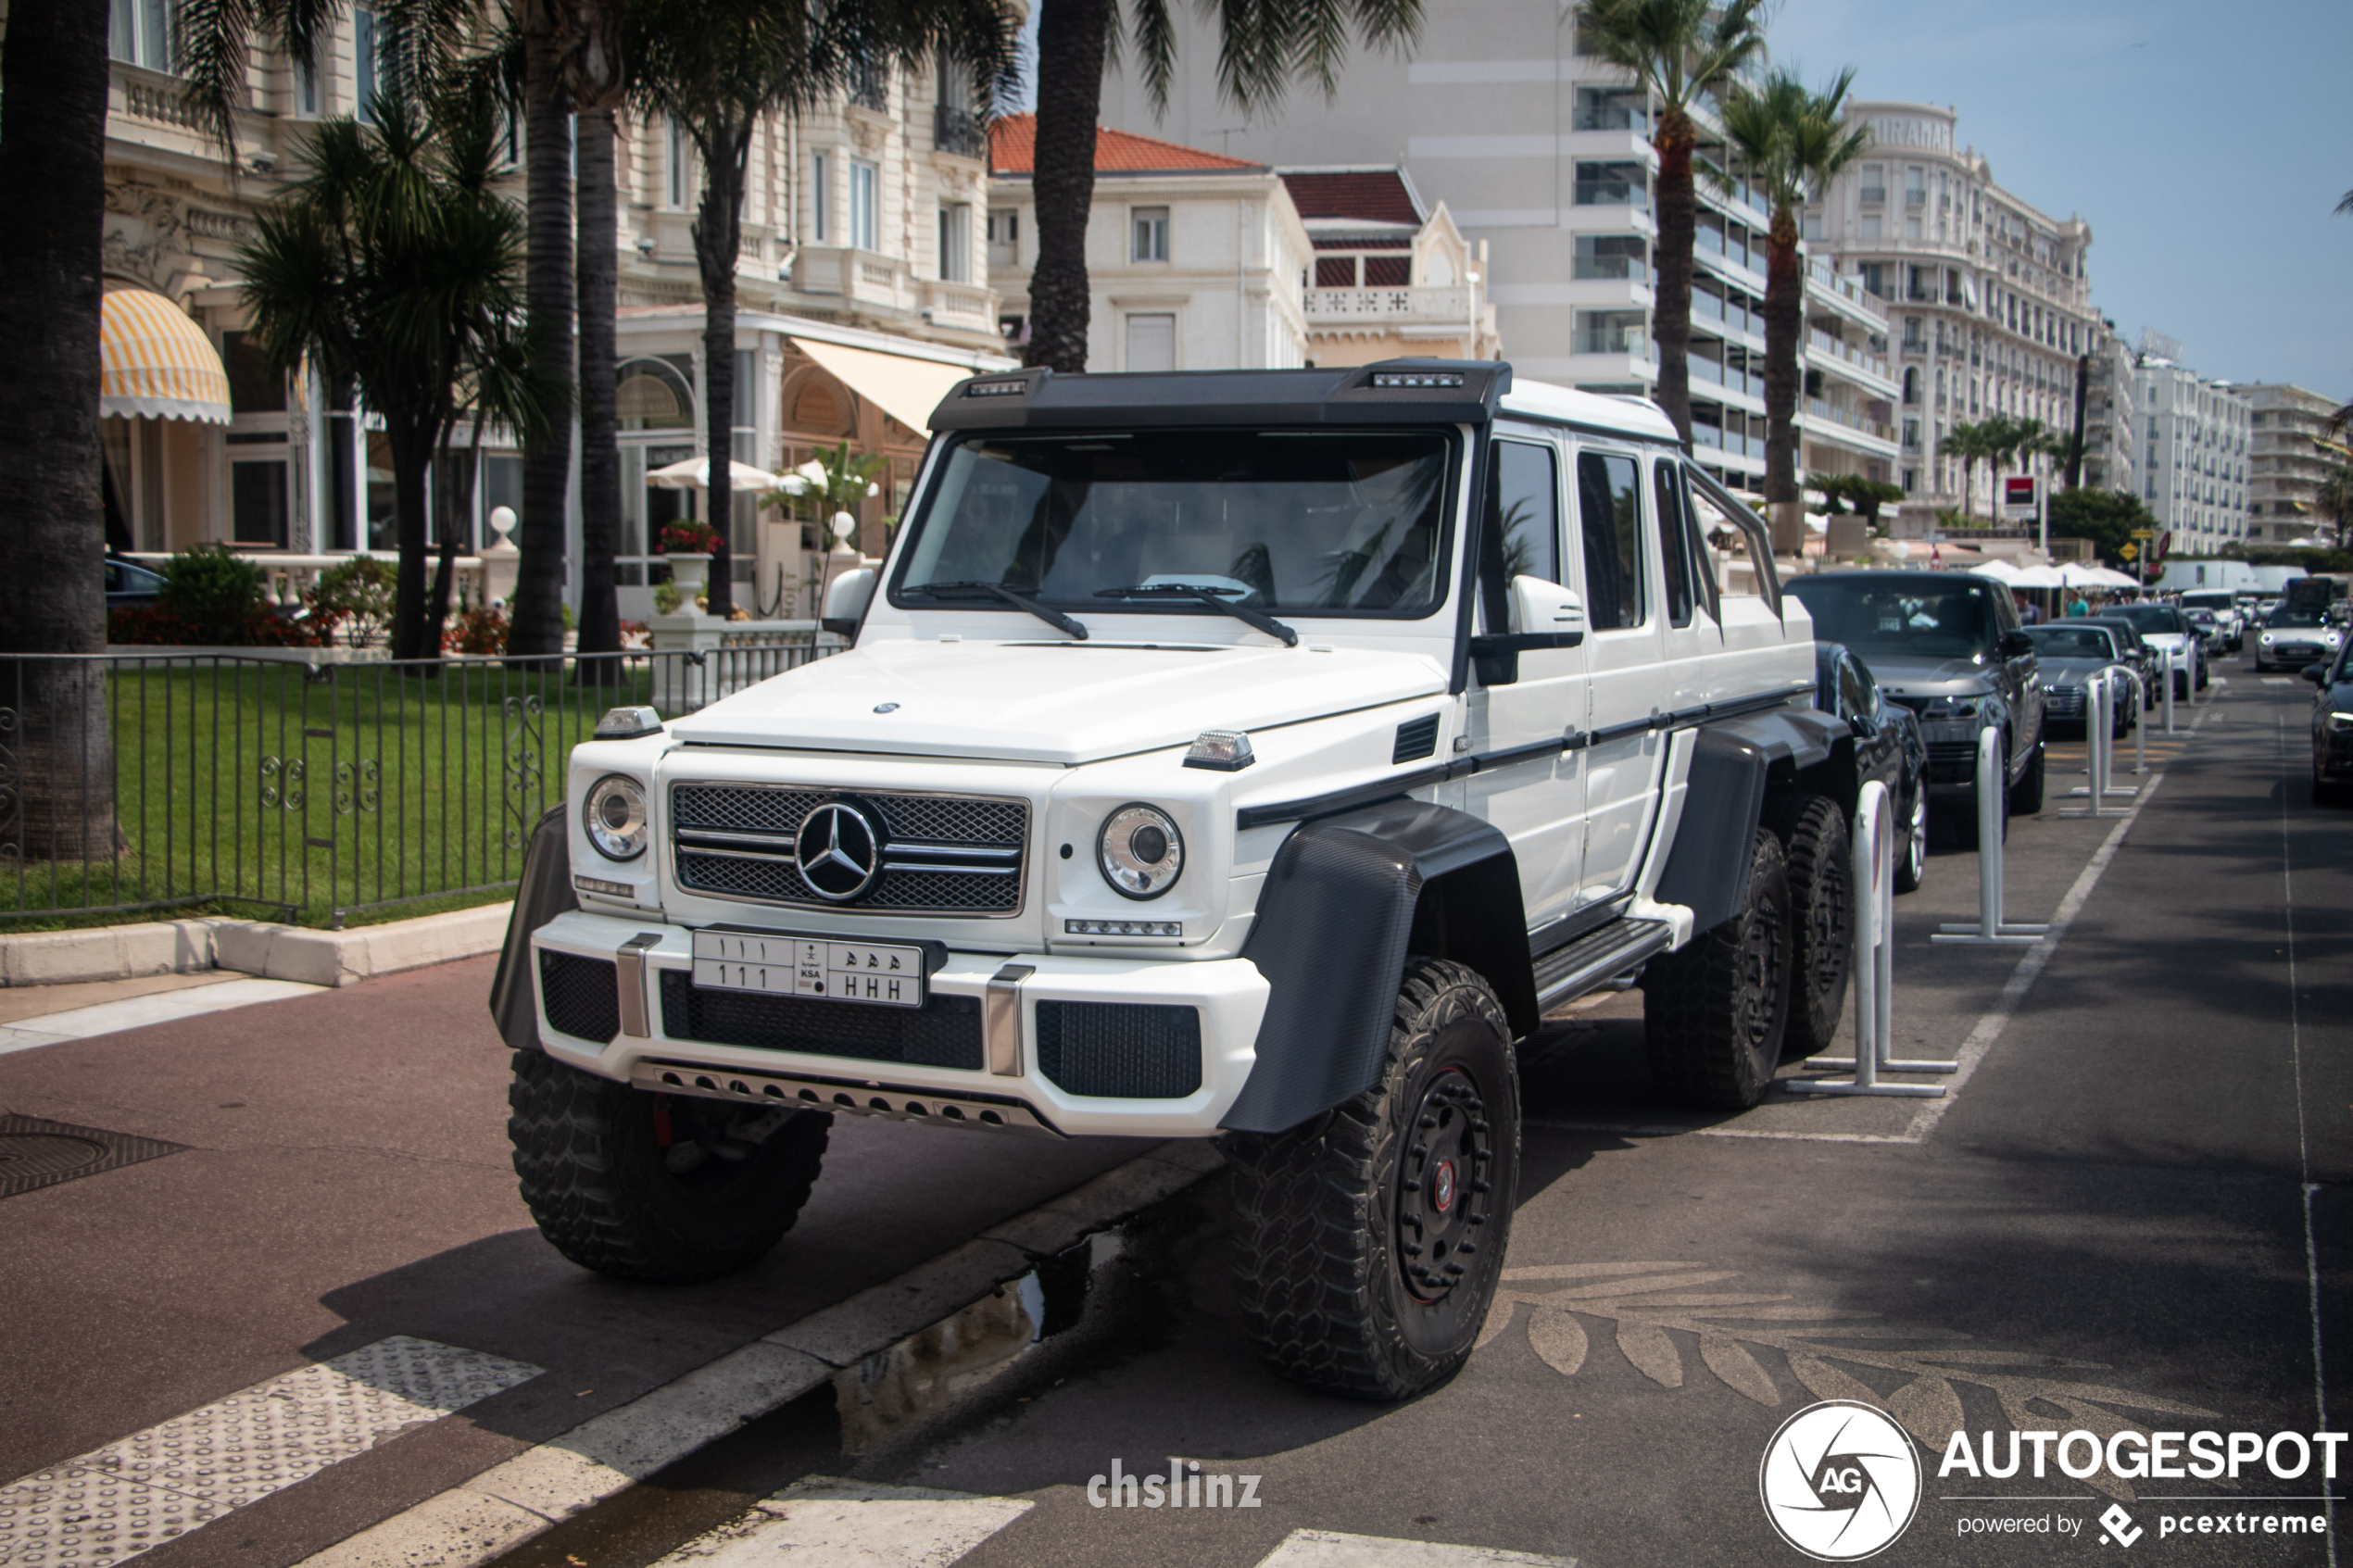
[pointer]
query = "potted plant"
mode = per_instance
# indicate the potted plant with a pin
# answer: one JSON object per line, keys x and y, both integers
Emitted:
{"x": 689, "y": 545}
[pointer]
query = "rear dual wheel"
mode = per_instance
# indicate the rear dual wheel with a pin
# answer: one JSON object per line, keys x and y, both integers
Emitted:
{"x": 1716, "y": 1009}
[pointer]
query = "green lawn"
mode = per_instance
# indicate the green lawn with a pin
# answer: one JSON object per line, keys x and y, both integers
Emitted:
{"x": 253, "y": 789}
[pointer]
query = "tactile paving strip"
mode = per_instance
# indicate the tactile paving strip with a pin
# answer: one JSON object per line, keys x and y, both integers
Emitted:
{"x": 115, "y": 1503}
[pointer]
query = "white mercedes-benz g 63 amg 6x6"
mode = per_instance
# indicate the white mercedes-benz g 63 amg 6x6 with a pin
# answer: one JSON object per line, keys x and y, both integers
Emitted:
{"x": 1248, "y": 755}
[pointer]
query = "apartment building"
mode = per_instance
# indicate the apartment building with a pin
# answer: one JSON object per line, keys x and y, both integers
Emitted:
{"x": 862, "y": 283}
{"x": 2194, "y": 451}
{"x": 1542, "y": 157}
{"x": 2111, "y": 433}
{"x": 2285, "y": 465}
{"x": 1195, "y": 260}
{"x": 1990, "y": 298}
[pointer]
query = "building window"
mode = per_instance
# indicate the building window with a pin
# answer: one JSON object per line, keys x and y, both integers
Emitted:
{"x": 674, "y": 164}
{"x": 139, "y": 32}
{"x": 1612, "y": 255}
{"x": 1335, "y": 271}
{"x": 865, "y": 203}
{"x": 1911, "y": 385}
{"x": 819, "y": 226}
{"x": 1873, "y": 227}
{"x": 1613, "y": 109}
{"x": 1611, "y": 331}
{"x": 1004, "y": 237}
{"x": 258, "y": 502}
{"x": 1388, "y": 272}
{"x": 1151, "y": 341}
{"x": 956, "y": 242}
{"x": 1874, "y": 186}
{"x": 1611, "y": 184}
{"x": 1148, "y": 232}
{"x": 367, "y": 80}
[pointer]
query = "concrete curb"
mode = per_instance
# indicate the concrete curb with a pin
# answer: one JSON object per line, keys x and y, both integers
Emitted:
{"x": 509, "y": 1504}
{"x": 250, "y": 946}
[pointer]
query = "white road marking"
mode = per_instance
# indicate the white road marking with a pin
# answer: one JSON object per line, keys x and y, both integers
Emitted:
{"x": 136, "y": 1013}
{"x": 1330, "y": 1549}
{"x": 2278, "y": 681}
{"x": 827, "y": 1523}
{"x": 113, "y": 1503}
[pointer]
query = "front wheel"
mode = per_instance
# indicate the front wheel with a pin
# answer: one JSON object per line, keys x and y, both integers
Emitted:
{"x": 1911, "y": 853}
{"x": 1814, "y": 841}
{"x": 2026, "y": 796}
{"x": 666, "y": 1188}
{"x": 1369, "y": 1240}
{"x": 1715, "y": 1010}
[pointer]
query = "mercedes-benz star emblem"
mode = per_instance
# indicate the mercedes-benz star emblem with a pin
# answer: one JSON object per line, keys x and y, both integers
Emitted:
{"x": 838, "y": 850}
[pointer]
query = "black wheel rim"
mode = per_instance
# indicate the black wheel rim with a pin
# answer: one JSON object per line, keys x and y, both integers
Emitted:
{"x": 1444, "y": 1192}
{"x": 1762, "y": 974}
{"x": 1915, "y": 852}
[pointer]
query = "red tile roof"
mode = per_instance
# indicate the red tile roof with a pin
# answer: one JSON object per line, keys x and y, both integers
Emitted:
{"x": 1374, "y": 195}
{"x": 1013, "y": 143}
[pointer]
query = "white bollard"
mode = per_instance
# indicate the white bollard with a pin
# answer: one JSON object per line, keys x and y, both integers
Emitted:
{"x": 1991, "y": 786}
{"x": 2140, "y": 729}
{"x": 1874, "y": 966}
{"x": 2099, "y": 734}
{"x": 2168, "y": 691}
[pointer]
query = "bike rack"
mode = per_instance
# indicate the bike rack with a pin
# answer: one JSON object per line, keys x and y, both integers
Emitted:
{"x": 1874, "y": 878}
{"x": 2099, "y": 728}
{"x": 1991, "y": 787}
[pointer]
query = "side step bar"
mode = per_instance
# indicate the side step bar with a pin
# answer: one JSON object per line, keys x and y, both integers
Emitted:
{"x": 1596, "y": 957}
{"x": 851, "y": 1099}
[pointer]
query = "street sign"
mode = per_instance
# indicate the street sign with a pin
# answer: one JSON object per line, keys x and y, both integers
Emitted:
{"x": 2021, "y": 495}
{"x": 2144, "y": 533}
{"x": 2129, "y": 552}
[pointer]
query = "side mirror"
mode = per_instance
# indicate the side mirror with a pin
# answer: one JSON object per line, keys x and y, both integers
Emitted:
{"x": 2316, "y": 673}
{"x": 2016, "y": 645}
{"x": 1540, "y": 607}
{"x": 1864, "y": 726}
{"x": 846, "y": 600}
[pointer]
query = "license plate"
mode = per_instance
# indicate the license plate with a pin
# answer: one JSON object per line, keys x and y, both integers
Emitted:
{"x": 883, "y": 974}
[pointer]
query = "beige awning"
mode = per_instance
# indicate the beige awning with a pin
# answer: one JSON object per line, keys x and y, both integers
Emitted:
{"x": 906, "y": 389}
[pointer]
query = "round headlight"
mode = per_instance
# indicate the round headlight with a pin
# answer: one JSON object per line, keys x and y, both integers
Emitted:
{"x": 616, "y": 817}
{"x": 1140, "y": 851}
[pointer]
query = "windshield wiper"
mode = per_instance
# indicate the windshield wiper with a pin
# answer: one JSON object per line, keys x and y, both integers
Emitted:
{"x": 1203, "y": 594}
{"x": 1053, "y": 618}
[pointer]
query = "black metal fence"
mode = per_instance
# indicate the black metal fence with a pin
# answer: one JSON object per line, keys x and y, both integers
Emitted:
{"x": 309, "y": 793}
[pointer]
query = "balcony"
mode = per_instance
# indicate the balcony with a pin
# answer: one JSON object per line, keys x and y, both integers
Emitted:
{"x": 1611, "y": 193}
{"x": 1614, "y": 340}
{"x": 859, "y": 277}
{"x": 1337, "y": 307}
{"x": 1709, "y": 372}
{"x": 1875, "y": 196}
{"x": 960, "y": 131}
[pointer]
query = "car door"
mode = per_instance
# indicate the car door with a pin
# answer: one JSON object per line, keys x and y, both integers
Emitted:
{"x": 1688, "y": 633}
{"x": 1626, "y": 685}
{"x": 1536, "y": 800}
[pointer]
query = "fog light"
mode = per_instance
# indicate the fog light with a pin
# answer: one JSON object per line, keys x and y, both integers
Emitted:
{"x": 1123, "y": 928}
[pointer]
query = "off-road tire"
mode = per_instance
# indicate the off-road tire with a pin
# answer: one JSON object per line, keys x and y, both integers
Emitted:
{"x": 1715, "y": 1011}
{"x": 1911, "y": 850}
{"x": 594, "y": 1158}
{"x": 2026, "y": 796}
{"x": 1323, "y": 1212}
{"x": 1821, "y": 896}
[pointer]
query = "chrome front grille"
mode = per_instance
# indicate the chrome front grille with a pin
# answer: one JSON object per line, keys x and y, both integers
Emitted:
{"x": 2063, "y": 702}
{"x": 933, "y": 853}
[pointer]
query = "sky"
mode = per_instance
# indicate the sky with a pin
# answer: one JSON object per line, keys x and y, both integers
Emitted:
{"x": 2206, "y": 145}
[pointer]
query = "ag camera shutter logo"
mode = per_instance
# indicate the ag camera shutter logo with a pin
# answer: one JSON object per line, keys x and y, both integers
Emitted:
{"x": 1840, "y": 1481}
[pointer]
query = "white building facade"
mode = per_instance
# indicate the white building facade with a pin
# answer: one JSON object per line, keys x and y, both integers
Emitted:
{"x": 1195, "y": 261}
{"x": 2284, "y": 467}
{"x": 1990, "y": 298}
{"x": 2194, "y": 450}
{"x": 1541, "y": 157}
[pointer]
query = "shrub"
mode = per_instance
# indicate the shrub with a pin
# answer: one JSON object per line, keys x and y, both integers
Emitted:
{"x": 359, "y": 591}
{"x": 145, "y": 627}
{"x": 478, "y": 630}
{"x": 213, "y": 593}
{"x": 689, "y": 538}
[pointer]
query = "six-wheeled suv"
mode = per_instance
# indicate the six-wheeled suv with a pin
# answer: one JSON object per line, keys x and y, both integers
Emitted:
{"x": 1948, "y": 646}
{"x": 1240, "y": 755}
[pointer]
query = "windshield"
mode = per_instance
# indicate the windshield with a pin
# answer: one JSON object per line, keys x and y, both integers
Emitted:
{"x": 2297, "y": 615}
{"x": 1905, "y": 616}
{"x": 2070, "y": 642}
{"x": 1306, "y": 523}
{"x": 2159, "y": 619}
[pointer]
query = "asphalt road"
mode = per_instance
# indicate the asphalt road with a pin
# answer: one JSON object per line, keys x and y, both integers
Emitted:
{"x": 2129, "y": 1212}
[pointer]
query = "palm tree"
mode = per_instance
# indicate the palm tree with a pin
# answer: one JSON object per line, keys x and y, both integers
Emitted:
{"x": 1790, "y": 142}
{"x": 393, "y": 264}
{"x": 1266, "y": 44}
{"x": 1972, "y": 444}
{"x": 1682, "y": 52}
{"x": 719, "y": 69}
{"x": 53, "y": 78}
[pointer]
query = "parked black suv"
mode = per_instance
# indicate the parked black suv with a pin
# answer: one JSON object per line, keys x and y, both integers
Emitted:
{"x": 1947, "y": 645}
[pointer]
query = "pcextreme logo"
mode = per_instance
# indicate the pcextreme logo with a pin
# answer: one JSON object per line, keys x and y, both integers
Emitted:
{"x": 1840, "y": 1481}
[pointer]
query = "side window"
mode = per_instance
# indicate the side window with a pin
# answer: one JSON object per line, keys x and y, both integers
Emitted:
{"x": 1854, "y": 688}
{"x": 1674, "y": 542}
{"x": 1609, "y": 513}
{"x": 1527, "y": 517}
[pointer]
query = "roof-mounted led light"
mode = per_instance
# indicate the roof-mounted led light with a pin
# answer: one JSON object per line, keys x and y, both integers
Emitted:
{"x": 1417, "y": 378}
{"x": 1227, "y": 751}
{"x": 997, "y": 388}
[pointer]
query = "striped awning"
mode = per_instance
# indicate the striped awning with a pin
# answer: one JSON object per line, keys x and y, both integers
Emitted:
{"x": 157, "y": 363}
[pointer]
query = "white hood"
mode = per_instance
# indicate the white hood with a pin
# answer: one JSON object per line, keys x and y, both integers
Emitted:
{"x": 1062, "y": 703}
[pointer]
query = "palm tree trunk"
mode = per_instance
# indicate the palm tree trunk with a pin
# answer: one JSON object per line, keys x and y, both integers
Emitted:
{"x": 415, "y": 634}
{"x": 1678, "y": 225}
{"x": 1071, "y": 36}
{"x": 537, "y": 622}
{"x": 1785, "y": 320}
{"x": 599, "y": 451}
{"x": 53, "y": 78}
{"x": 718, "y": 235}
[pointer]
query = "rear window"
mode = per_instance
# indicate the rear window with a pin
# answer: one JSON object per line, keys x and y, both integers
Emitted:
{"x": 2070, "y": 642}
{"x": 1891, "y": 615}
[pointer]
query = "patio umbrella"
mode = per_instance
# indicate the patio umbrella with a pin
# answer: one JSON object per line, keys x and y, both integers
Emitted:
{"x": 2000, "y": 571}
{"x": 2074, "y": 576}
{"x": 694, "y": 473}
{"x": 2038, "y": 577}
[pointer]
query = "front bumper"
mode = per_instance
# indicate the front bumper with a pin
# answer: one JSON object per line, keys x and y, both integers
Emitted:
{"x": 982, "y": 1016}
